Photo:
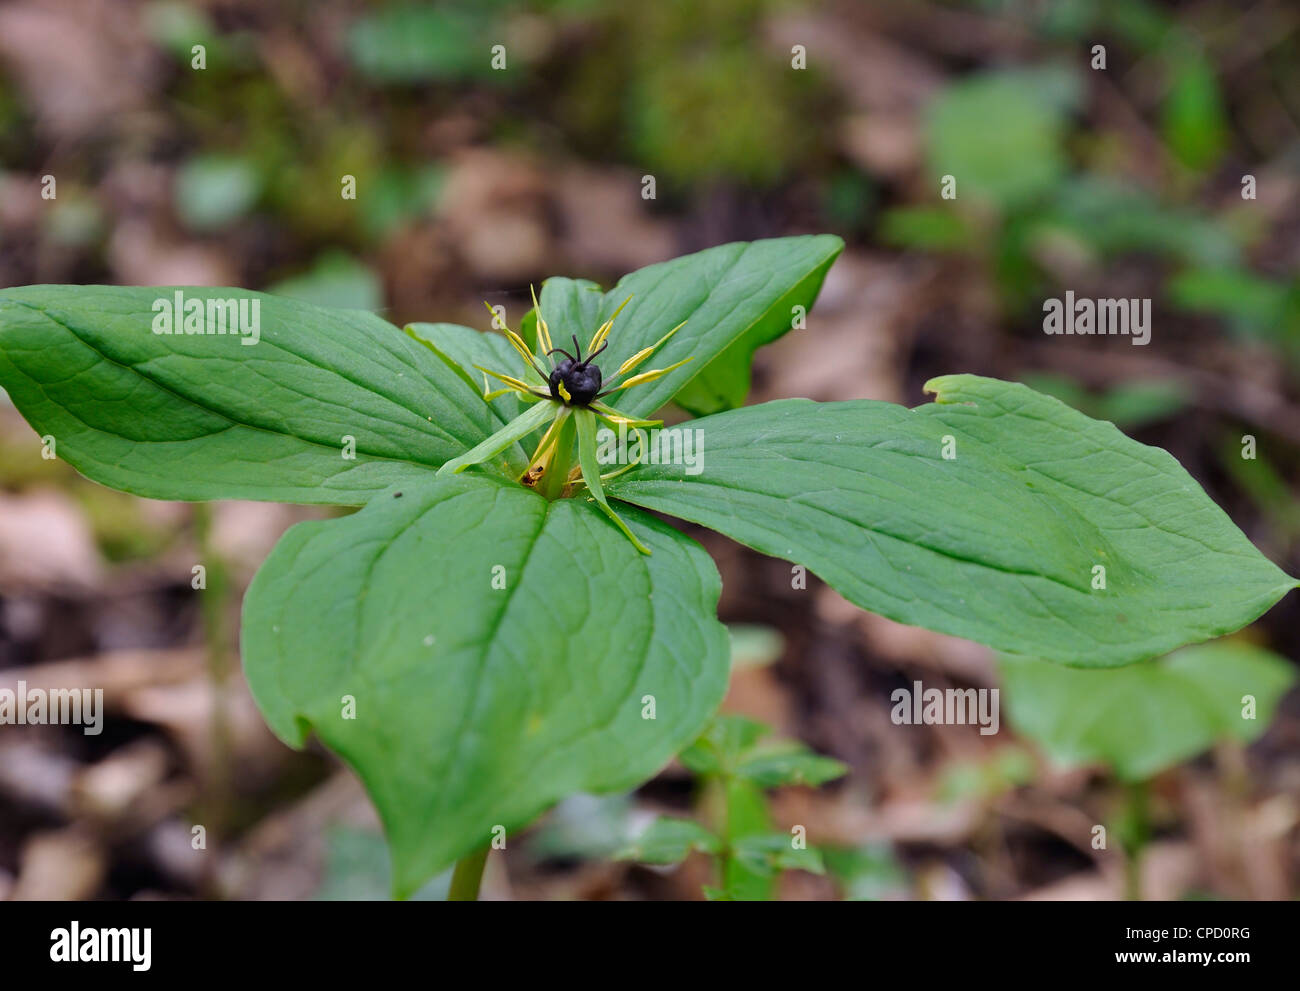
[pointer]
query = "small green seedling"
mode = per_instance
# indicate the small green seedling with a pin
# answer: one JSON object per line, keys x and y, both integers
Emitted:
{"x": 1143, "y": 719}
{"x": 479, "y": 644}
{"x": 735, "y": 766}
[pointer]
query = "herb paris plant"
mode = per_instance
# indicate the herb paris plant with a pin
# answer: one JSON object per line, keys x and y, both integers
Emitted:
{"x": 476, "y": 647}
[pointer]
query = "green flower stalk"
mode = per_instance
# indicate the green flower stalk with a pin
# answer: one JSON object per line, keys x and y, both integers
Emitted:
{"x": 568, "y": 393}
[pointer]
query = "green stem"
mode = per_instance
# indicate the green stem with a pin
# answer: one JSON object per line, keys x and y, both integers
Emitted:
{"x": 551, "y": 484}
{"x": 215, "y": 603}
{"x": 1137, "y": 832}
{"x": 467, "y": 877}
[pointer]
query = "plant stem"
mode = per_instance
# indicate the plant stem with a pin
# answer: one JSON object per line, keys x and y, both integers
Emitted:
{"x": 467, "y": 877}
{"x": 551, "y": 484}
{"x": 215, "y": 602}
{"x": 1138, "y": 827}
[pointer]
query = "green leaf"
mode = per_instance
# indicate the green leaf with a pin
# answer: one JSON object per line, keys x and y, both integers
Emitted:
{"x": 926, "y": 228}
{"x": 1193, "y": 121}
{"x": 335, "y": 280}
{"x": 1147, "y": 717}
{"x": 207, "y": 416}
{"x": 754, "y": 646}
{"x": 670, "y": 841}
{"x": 411, "y": 43}
{"x": 1125, "y": 404}
{"x": 734, "y": 298}
{"x": 1000, "y": 135}
{"x": 357, "y": 870}
{"x": 767, "y": 853}
{"x": 998, "y": 544}
{"x": 465, "y": 348}
{"x": 745, "y": 814}
{"x": 583, "y": 827}
{"x": 1253, "y": 306}
{"x": 215, "y": 190}
{"x": 573, "y": 306}
{"x": 1116, "y": 219}
{"x": 479, "y": 706}
{"x": 789, "y": 763}
{"x": 720, "y": 747}
{"x": 870, "y": 872}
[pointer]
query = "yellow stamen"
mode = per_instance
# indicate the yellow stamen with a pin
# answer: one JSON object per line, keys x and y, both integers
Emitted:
{"x": 548, "y": 441}
{"x": 613, "y": 416}
{"x": 543, "y": 331}
{"x": 495, "y": 317}
{"x": 564, "y": 393}
{"x": 518, "y": 344}
{"x": 599, "y": 337}
{"x": 514, "y": 383}
{"x": 635, "y": 360}
{"x": 614, "y": 474}
{"x": 645, "y": 353}
{"x": 652, "y": 375}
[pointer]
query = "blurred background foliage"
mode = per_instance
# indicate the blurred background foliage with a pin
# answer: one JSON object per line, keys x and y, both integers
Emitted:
{"x": 471, "y": 181}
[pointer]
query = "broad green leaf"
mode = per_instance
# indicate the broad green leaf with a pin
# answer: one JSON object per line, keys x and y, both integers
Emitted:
{"x": 573, "y": 306}
{"x": 1147, "y": 717}
{"x": 1000, "y": 543}
{"x": 788, "y": 763}
{"x": 478, "y": 705}
{"x": 734, "y": 298}
{"x": 210, "y": 416}
{"x": 670, "y": 841}
{"x": 465, "y": 348}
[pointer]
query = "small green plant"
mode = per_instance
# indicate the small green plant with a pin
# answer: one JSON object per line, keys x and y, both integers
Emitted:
{"x": 1143, "y": 719}
{"x": 734, "y": 766}
{"x": 477, "y": 646}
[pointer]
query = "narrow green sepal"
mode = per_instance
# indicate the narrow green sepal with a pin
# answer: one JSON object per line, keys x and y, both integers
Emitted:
{"x": 585, "y": 420}
{"x": 517, "y": 429}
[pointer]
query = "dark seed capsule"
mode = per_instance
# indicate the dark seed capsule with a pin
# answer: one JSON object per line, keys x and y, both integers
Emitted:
{"x": 581, "y": 380}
